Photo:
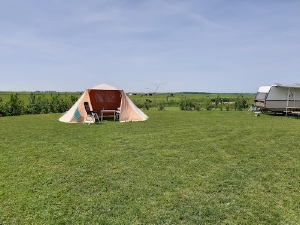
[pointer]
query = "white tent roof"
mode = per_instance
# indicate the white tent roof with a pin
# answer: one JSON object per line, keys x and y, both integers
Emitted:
{"x": 104, "y": 87}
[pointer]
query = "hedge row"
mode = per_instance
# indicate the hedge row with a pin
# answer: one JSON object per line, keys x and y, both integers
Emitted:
{"x": 57, "y": 103}
{"x": 185, "y": 103}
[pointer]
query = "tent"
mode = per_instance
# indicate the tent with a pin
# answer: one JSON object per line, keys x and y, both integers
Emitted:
{"x": 101, "y": 97}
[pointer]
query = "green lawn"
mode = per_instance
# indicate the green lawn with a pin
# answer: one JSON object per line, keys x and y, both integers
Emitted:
{"x": 178, "y": 167}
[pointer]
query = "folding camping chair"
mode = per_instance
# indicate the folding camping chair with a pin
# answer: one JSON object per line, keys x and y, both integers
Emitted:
{"x": 92, "y": 116}
{"x": 118, "y": 111}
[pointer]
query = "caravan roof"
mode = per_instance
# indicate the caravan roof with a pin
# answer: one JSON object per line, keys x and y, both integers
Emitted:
{"x": 264, "y": 89}
{"x": 288, "y": 86}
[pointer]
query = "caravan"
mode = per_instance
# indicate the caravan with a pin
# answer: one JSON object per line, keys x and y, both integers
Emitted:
{"x": 278, "y": 98}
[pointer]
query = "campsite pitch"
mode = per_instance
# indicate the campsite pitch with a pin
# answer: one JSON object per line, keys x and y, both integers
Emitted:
{"x": 177, "y": 167}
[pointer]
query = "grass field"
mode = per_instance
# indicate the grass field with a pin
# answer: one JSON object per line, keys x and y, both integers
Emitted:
{"x": 178, "y": 167}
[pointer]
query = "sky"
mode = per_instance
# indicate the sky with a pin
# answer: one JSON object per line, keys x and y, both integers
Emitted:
{"x": 217, "y": 46}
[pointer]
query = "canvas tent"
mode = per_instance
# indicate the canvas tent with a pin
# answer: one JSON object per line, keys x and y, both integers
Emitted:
{"x": 107, "y": 97}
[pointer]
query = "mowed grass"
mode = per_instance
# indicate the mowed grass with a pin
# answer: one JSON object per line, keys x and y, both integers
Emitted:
{"x": 178, "y": 167}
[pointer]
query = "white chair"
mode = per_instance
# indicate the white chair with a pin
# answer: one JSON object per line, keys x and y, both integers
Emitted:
{"x": 118, "y": 111}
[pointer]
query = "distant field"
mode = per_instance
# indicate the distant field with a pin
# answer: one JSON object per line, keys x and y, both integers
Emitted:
{"x": 178, "y": 167}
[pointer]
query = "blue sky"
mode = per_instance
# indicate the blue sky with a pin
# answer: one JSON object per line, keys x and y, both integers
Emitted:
{"x": 143, "y": 45}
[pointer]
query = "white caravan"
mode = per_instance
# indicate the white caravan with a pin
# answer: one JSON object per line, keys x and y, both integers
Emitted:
{"x": 278, "y": 98}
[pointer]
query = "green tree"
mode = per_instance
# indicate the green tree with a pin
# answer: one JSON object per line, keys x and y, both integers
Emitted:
{"x": 15, "y": 106}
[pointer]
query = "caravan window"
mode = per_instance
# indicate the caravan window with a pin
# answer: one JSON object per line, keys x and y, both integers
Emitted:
{"x": 261, "y": 95}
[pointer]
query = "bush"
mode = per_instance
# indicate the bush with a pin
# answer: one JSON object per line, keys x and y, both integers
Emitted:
{"x": 59, "y": 104}
{"x": 221, "y": 106}
{"x": 139, "y": 103}
{"x": 160, "y": 106}
{"x": 2, "y": 109}
{"x": 227, "y": 107}
{"x": 146, "y": 105}
{"x": 33, "y": 106}
{"x": 217, "y": 101}
{"x": 197, "y": 106}
{"x": 189, "y": 104}
{"x": 209, "y": 105}
{"x": 186, "y": 104}
{"x": 43, "y": 105}
{"x": 14, "y": 107}
{"x": 240, "y": 103}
